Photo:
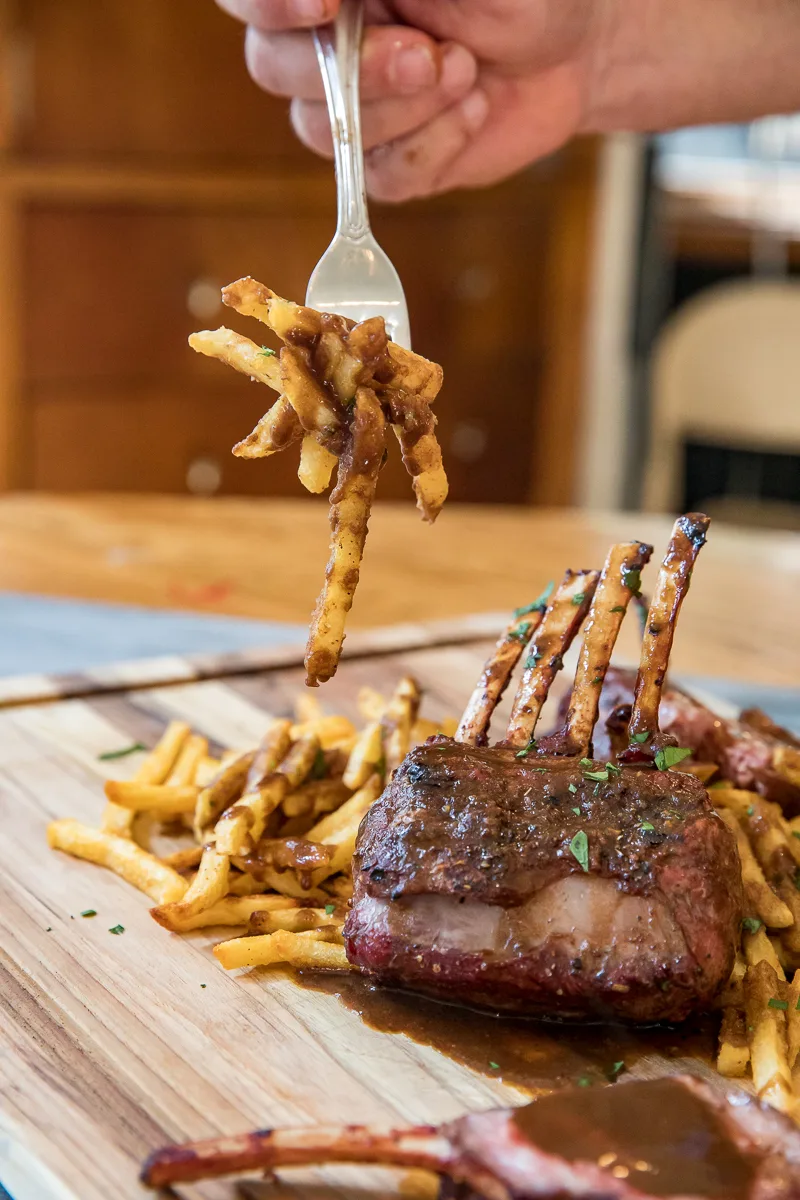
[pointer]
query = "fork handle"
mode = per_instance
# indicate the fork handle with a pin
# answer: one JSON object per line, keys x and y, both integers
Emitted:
{"x": 338, "y": 48}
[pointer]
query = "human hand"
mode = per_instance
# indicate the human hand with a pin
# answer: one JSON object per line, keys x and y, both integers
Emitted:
{"x": 461, "y": 93}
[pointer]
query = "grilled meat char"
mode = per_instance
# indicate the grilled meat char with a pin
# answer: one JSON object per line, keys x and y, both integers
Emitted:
{"x": 528, "y": 876}
{"x": 526, "y": 884}
{"x": 674, "y": 1138}
{"x": 743, "y": 751}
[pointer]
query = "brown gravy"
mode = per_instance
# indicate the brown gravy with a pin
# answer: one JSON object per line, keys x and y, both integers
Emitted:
{"x": 656, "y": 1135}
{"x": 534, "y": 1056}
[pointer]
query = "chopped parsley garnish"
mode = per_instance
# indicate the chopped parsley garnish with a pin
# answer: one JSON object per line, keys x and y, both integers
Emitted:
{"x": 571, "y": 788}
{"x": 121, "y": 753}
{"x": 632, "y": 580}
{"x": 646, "y": 827}
{"x": 580, "y": 849}
{"x": 320, "y": 766}
{"x": 330, "y": 909}
{"x": 670, "y": 756}
{"x": 521, "y": 634}
{"x": 532, "y": 659}
{"x": 117, "y": 929}
{"x": 578, "y": 598}
{"x": 380, "y": 765}
{"x": 50, "y": 930}
{"x": 584, "y": 1081}
{"x": 203, "y": 985}
{"x": 613, "y": 769}
{"x": 795, "y": 833}
{"x": 539, "y": 605}
{"x": 494, "y": 1066}
{"x": 531, "y": 746}
{"x": 89, "y": 912}
{"x": 797, "y": 879}
{"x": 586, "y": 762}
{"x": 639, "y": 738}
{"x": 616, "y": 1069}
{"x": 577, "y": 812}
{"x": 751, "y": 810}
{"x": 265, "y": 352}
{"x": 618, "y": 608}
{"x": 751, "y": 924}
{"x": 781, "y": 1005}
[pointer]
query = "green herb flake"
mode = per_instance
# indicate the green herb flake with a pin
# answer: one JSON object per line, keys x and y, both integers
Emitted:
{"x": 616, "y": 1069}
{"x": 646, "y": 827}
{"x": 521, "y": 634}
{"x": 579, "y": 846}
{"x": 797, "y": 879}
{"x": 797, "y": 1006}
{"x": 613, "y": 769}
{"x": 265, "y": 352}
{"x": 380, "y": 765}
{"x": 585, "y": 762}
{"x": 320, "y": 766}
{"x": 117, "y": 929}
{"x": 632, "y": 580}
{"x": 670, "y": 756}
{"x": 639, "y": 738}
{"x": 781, "y": 1005}
{"x": 795, "y": 833}
{"x": 751, "y": 924}
{"x": 494, "y": 1066}
{"x": 584, "y": 1081}
{"x": 597, "y": 680}
{"x": 531, "y": 746}
{"x": 539, "y": 605}
{"x": 751, "y": 810}
{"x": 532, "y": 660}
{"x": 578, "y": 598}
{"x": 571, "y": 788}
{"x": 122, "y": 752}
{"x": 89, "y": 912}
{"x": 50, "y": 930}
{"x": 618, "y": 608}
{"x": 330, "y": 909}
{"x": 577, "y": 812}
{"x": 600, "y": 776}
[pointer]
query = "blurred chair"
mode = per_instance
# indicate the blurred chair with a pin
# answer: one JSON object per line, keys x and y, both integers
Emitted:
{"x": 726, "y": 371}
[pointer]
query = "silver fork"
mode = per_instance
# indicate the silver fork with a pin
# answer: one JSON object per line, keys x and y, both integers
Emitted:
{"x": 354, "y": 278}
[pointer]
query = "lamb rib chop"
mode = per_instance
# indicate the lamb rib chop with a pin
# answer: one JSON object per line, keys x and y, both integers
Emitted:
{"x": 666, "y": 1137}
{"x": 531, "y": 877}
{"x": 752, "y": 752}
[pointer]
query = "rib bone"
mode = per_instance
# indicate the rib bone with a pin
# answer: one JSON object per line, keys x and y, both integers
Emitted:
{"x": 618, "y": 583}
{"x": 421, "y": 1148}
{"x": 497, "y": 671}
{"x": 688, "y": 538}
{"x": 561, "y": 621}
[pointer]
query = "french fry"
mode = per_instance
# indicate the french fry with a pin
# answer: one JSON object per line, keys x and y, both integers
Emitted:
{"x": 365, "y": 756}
{"x": 194, "y": 751}
{"x": 758, "y": 948}
{"x": 786, "y": 761}
{"x": 733, "y": 993}
{"x": 158, "y": 799}
{"x": 398, "y": 720}
{"x": 240, "y": 353}
{"x": 316, "y": 798}
{"x": 295, "y": 920}
{"x": 207, "y": 769}
{"x": 244, "y": 884}
{"x": 279, "y": 428}
{"x": 120, "y": 855}
{"x": 307, "y": 396}
{"x": 331, "y": 731}
{"x": 224, "y": 788}
{"x": 231, "y": 910}
{"x": 299, "y": 950}
{"x": 307, "y": 708}
{"x": 792, "y": 993}
{"x": 371, "y": 704}
{"x": 248, "y": 816}
{"x": 414, "y": 426}
{"x": 285, "y": 883}
{"x": 766, "y": 1026}
{"x": 316, "y": 465}
{"x": 340, "y": 828}
{"x": 340, "y": 886}
{"x": 209, "y": 885}
{"x": 351, "y": 501}
{"x": 760, "y": 896}
{"x": 184, "y": 860}
{"x": 701, "y": 770}
{"x": 155, "y": 769}
{"x": 733, "y": 1055}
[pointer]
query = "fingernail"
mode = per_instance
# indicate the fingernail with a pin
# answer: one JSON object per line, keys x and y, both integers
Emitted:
{"x": 475, "y": 110}
{"x": 412, "y": 68}
{"x": 309, "y": 12}
{"x": 459, "y": 69}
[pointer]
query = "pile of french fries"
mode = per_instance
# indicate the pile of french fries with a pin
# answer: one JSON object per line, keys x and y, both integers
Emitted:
{"x": 760, "y": 1033}
{"x": 270, "y": 832}
{"x": 340, "y": 385}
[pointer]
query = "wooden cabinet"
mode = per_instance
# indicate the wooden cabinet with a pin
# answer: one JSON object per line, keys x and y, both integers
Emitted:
{"x": 143, "y": 170}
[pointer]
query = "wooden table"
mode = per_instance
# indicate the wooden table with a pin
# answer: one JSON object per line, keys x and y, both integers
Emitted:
{"x": 265, "y": 559}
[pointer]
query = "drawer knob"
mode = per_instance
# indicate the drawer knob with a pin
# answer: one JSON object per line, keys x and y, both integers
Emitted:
{"x": 203, "y": 299}
{"x": 204, "y": 477}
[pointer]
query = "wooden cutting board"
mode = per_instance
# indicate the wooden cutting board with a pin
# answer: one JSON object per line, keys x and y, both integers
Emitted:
{"x": 113, "y": 1045}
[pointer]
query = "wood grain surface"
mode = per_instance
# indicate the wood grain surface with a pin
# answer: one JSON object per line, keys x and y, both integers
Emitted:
{"x": 112, "y": 1045}
{"x": 266, "y": 559}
